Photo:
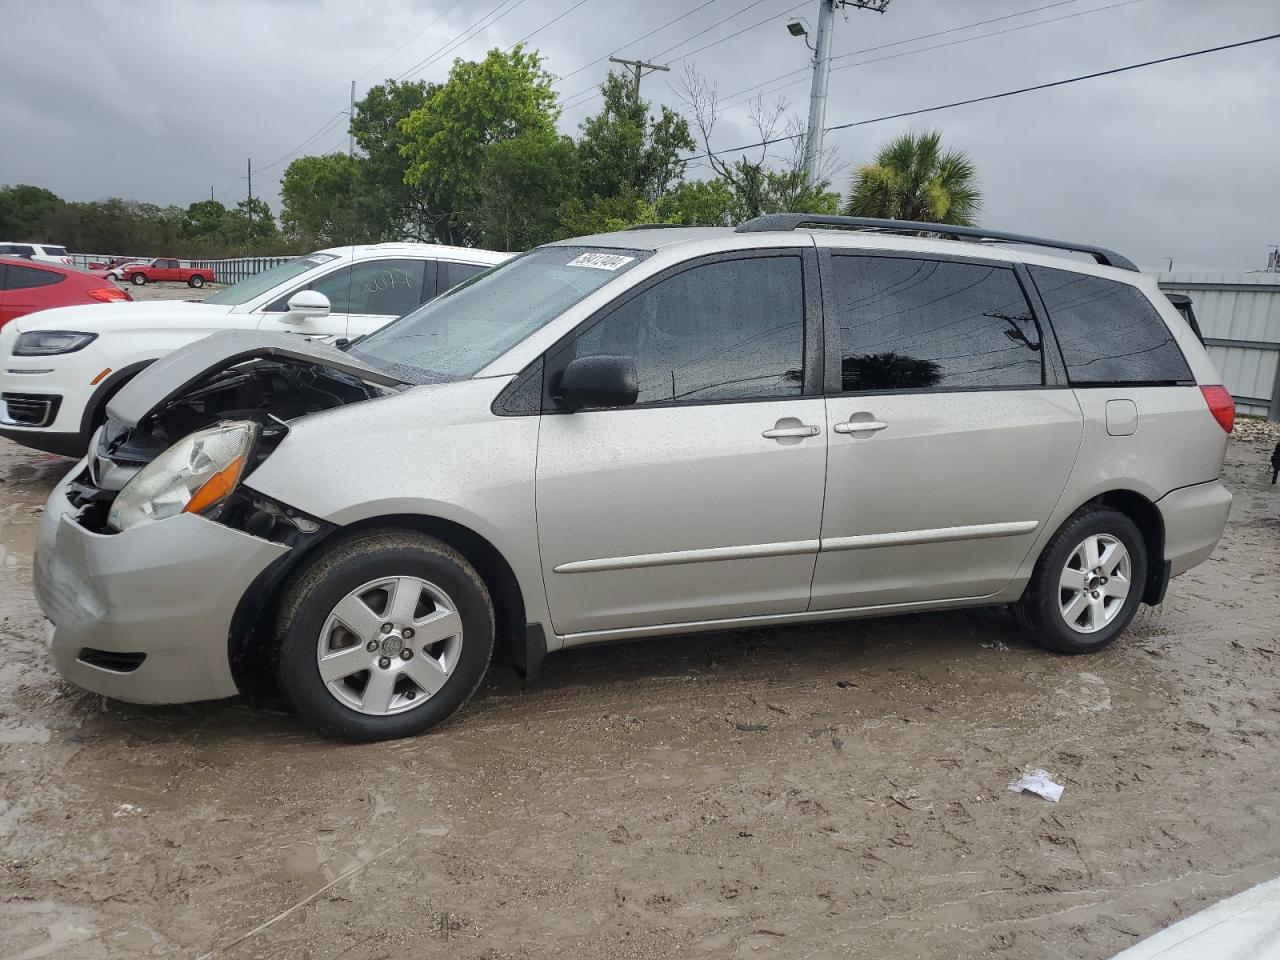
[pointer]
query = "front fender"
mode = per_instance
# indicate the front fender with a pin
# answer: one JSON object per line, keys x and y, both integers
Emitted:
{"x": 430, "y": 451}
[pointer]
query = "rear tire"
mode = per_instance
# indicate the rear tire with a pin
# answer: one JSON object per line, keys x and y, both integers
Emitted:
{"x": 1087, "y": 584}
{"x": 380, "y": 683}
{"x": 139, "y": 279}
{"x": 195, "y": 282}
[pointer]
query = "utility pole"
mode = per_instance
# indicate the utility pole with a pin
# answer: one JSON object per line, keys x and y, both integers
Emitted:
{"x": 249, "y": 167}
{"x": 211, "y": 193}
{"x": 821, "y": 72}
{"x": 639, "y": 69}
{"x": 351, "y": 117}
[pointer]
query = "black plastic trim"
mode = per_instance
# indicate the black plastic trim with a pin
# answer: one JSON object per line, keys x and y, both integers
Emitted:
{"x": 947, "y": 231}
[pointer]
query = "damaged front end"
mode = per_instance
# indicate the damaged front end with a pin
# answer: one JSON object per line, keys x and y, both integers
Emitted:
{"x": 230, "y": 396}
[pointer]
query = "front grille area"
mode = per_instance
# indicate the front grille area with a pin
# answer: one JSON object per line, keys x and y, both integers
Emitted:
{"x": 30, "y": 409}
{"x": 110, "y": 660}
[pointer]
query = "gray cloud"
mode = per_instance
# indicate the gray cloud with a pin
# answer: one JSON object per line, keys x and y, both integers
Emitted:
{"x": 161, "y": 102}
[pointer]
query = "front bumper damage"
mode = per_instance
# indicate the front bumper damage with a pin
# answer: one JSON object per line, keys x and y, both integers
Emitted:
{"x": 144, "y": 615}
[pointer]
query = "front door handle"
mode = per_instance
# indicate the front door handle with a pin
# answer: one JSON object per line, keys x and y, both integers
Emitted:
{"x": 800, "y": 430}
{"x": 859, "y": 426}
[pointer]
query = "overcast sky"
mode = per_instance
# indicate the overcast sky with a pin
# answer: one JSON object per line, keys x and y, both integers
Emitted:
{"x": 160, "y": 102}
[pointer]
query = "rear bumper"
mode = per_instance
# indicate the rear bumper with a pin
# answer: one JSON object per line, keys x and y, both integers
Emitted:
{"x": 1194, "y": 518}
{"x": 144, "y": 615}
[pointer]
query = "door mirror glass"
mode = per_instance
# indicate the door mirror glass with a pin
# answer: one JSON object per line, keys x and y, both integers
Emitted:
{"x": 598, "y": 381}
{"x": 306, "y": 305}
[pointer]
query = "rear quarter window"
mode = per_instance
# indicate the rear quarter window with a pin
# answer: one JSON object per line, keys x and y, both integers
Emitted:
{"x": 1108, "y": 332}
{"x": 22, "y": 278}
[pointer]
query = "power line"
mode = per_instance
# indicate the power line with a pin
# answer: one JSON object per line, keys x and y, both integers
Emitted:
{"x": 999, "y": 96}
{"x": 334, "y": 121}
{"x": 572, "y": 99}
{"x": 545, "y": 25}
{"x": 936, "y": 46}
{"x": 412, "y": 38}
{"x": 474, "y": 30}
{"x": 706, "y": 30}
{"x": 632, "y": 43}
{"x": 898, "y": 43}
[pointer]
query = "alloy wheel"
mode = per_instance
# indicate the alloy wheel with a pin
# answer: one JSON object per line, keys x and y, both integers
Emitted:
{"x": 389, "y": 645}
{"x": 1094, "y": 583}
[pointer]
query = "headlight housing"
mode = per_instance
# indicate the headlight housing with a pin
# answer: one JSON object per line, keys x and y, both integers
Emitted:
{"x": 196, "y": 473}
{"x": 44, "y": 343}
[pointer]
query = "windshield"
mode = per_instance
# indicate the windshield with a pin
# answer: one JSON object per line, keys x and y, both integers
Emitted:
{"x": 255, "y": 286}
{"x": 56, "y": 251}
{"x": 464, "y": 330}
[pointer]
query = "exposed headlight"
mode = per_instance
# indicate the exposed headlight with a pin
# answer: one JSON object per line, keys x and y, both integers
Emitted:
{"x": 196, "y": 473}
{"x": 43, "y": 343}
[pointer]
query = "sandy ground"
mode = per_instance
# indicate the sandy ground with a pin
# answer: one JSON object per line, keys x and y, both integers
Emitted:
{"x": 833, "y": 791}
{"x": 170, "y": 291}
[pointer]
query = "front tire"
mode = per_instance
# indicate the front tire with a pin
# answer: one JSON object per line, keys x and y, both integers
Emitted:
{"x": 383, "y": 636}
{"x": 1087, "y": 583}
{"x": 195, "y": 282}
{"x": 139, "y": 279}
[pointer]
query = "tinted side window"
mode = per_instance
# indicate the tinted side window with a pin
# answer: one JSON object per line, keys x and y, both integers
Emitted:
{"x": 720, "y": 331}
{"x": 910, "y": 324}
{"x": 452, "y": 274}
{"x": 21, "y": 278}
{"x": 387, "y": 287}
{"x": 1108, "y": 331}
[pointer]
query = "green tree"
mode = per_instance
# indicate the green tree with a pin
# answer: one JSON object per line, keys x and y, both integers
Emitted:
{"x": 913, "y": 179}
{"x": 625, "y": 151}
{"x": 322, "y": 202}
{"x": 506, "y": 95}
{"x": 251, "y": 227}
{"x": 523, "y": 184}
{"x": 392, "y": 208}
{"x": 25, "y": 212}
{"x": 204, "y": 220}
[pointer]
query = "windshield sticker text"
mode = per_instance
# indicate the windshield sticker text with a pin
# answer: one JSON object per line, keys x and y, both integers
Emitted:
{"x": 600, "y": 261}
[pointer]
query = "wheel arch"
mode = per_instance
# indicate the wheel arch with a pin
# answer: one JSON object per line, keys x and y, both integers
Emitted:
{"x": 1146, "y": 516}
{"x": 253, "y": 624}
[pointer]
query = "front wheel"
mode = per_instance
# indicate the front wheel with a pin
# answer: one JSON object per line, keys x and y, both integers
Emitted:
{"x": 1087, "y": 583}
{"x": 383, "y": 636}
{"x": 196, "y": 282}
{"x": 139, "y": 279}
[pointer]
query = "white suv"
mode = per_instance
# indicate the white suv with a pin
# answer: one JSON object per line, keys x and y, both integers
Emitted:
{"x": 58, "y": 368}
{"x": 652, "y": 432}
{"x": 41, "y": 252}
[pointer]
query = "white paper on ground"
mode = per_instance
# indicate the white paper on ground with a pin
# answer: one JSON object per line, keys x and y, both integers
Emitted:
{"x": 1038, "y": 782}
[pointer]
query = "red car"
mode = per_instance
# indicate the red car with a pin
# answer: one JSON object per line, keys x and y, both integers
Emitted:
{"x": 166, "y": 268}
{"x": 27, "y": 286}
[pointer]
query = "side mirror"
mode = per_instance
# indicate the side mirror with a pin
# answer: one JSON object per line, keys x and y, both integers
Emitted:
{"x": 307, "y": 305}
{"x": 600, "y": 381}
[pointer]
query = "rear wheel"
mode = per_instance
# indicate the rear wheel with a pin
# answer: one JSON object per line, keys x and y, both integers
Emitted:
{"x": 383, "y": 636}
{"x": 1087, "y": 583}
{"x": 195, "y": 282}
{"x": 139, "y": 279}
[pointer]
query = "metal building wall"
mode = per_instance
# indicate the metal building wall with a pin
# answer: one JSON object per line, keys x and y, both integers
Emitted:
{"x": 1239, "y": 314}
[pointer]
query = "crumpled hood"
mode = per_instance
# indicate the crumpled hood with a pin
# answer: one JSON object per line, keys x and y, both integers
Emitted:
{"x": 174, "y": 373}
{"x": 92, "y": 317}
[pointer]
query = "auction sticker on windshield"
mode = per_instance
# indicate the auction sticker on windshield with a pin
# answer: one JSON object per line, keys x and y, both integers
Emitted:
{"x": 600, "y": 261}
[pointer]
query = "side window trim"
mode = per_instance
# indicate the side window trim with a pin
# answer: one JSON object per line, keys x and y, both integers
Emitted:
{"x": 1051, "y": 374}
{"x": 812, "y": 319}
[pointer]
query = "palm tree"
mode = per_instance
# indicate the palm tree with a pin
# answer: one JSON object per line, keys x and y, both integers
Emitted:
{"x": 912, "y": 179}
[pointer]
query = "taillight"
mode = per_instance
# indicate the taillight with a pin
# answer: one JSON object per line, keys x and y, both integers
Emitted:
{"x": 1221, "y": 405}
{"x": 108, "y": 294}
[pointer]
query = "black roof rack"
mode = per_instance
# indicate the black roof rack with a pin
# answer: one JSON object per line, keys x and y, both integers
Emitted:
{"x": 792, "y": 221}
{"x": 651, "y": 226}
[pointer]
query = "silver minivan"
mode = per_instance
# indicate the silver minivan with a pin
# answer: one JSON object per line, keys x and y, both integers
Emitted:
{"x": 656, "y": 431}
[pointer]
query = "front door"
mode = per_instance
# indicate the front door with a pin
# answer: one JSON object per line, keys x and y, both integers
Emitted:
{"x": 703, "y": 501}
{"x": 363, "y": 296}
{"x": 947, "y": 448}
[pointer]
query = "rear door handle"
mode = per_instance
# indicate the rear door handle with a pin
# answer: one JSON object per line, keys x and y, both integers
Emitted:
{"x": 859, "y": 426}
{"x": 803, "y": 430}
